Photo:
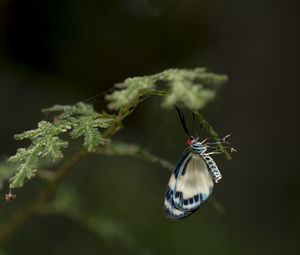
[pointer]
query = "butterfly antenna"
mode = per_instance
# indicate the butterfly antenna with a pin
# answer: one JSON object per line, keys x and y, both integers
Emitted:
{"x": 182, "y": 120}
{"x": 194, "y": 125}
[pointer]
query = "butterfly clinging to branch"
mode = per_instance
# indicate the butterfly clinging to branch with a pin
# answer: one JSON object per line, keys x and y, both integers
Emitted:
{"x": 193, "y": 178}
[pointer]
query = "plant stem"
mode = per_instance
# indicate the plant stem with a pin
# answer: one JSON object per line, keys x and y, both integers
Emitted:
{"x": 20, "y": 217}
{"x": 24, "y": 214}
{"x": 34, "y": 207}
{"x": 131, "y": 150}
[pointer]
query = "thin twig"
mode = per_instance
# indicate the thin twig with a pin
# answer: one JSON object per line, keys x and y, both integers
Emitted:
{"x": 18, "y": 218}
{"x": 123, "y": 149}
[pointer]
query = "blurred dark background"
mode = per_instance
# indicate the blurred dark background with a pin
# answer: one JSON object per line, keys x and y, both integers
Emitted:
{"x": 67, "y": 51}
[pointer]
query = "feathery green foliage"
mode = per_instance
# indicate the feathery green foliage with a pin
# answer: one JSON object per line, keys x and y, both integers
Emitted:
{"x": 88, "y": 127}
{"x": 192, "y": 87}
{"x": 84, "y": 122}
{"x": 80, "y": 120}
{"x": 66, "y": 111}
{"x": 45, "y": 144}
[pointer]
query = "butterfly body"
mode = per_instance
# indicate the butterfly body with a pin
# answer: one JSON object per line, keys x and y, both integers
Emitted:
{"x": 191, "y": 182}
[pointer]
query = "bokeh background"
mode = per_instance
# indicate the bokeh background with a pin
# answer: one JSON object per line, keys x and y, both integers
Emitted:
{"x": 64, "y": 51}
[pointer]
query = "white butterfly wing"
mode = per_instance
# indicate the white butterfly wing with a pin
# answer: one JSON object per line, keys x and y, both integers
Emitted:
{"x": 194, "y": 185}
{"x": 190, "y": 185}
{"x": 170, "y": 210}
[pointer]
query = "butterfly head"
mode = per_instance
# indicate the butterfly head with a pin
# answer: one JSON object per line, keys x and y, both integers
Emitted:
{"x": 192, "y": 140}
{"x": 189, "y": 141}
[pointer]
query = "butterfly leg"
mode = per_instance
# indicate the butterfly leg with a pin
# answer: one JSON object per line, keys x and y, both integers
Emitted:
{"x": 213, "y": 152}
{"x": 204, "y": 140}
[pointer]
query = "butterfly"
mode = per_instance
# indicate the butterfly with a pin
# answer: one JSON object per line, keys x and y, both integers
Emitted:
{"x": 192, "y": 181}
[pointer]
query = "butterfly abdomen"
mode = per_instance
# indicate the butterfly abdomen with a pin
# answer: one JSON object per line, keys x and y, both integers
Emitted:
{"x": 212, "y": 168}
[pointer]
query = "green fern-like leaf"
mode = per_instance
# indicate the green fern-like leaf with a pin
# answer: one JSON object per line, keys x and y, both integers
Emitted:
{"x": 85, "y": 122}
{"x": 192, "y": 87}
{"x": 46, "y": 143}
{"x": 88, "y": 127}
{"x": 129, "y": 91}
{"x": 67, "y": 111}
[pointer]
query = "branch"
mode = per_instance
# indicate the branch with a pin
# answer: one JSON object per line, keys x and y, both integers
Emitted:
{"x": 33, "y": 208}
{"x": 123, "y": 149}
{"x": 24, "y": 214}
{"x": 116, "y": 149}
{"x": 192, "y": 87}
